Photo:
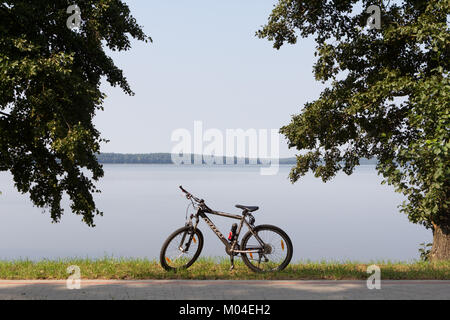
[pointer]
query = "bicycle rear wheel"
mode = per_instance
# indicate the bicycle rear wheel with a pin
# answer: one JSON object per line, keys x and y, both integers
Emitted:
{"x": 181, "y": 249}
{"x": 274, "y": 254}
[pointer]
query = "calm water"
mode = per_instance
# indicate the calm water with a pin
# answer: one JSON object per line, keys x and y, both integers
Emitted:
{"x": 351, "y": 217}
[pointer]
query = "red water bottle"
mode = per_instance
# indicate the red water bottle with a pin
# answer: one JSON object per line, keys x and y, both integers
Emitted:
{"x": 232, "y": 233}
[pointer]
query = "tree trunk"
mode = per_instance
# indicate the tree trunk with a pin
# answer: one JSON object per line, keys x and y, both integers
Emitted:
{"x": 441, "y": 243}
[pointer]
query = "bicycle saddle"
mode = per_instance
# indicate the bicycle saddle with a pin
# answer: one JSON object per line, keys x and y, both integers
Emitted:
{"x": 248, "y": 208}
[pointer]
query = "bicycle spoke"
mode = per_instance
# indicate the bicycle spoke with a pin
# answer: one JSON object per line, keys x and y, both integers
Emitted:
{"x": 178, "y": 256}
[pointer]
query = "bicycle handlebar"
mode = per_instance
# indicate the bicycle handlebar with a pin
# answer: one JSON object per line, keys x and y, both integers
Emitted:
{"x": 181, "y": 187}
{"x": 189, "y": 195}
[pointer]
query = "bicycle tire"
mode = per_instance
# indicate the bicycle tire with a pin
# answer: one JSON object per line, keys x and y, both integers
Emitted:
{"x": 286, "y": 243}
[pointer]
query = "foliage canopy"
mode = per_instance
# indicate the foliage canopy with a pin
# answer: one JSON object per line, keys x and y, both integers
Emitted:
{"x": 50, "y": 91}
{"x": 388, "y": 95}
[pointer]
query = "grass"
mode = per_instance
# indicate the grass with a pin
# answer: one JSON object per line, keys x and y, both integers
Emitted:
{"x": 211, "y": 269}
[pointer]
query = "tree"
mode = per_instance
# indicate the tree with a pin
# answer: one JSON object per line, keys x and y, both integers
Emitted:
{"x": 387, "y": 97}
{"x": 50, "y": 91}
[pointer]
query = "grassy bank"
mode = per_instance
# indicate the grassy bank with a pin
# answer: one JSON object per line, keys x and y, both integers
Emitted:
{"x": 133, "y": 269}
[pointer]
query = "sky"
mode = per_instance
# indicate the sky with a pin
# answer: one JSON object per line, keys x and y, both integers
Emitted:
{"x": 205, "y": 64}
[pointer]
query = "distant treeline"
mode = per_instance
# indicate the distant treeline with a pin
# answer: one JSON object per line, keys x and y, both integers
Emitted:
{"x": 166, "y": 158}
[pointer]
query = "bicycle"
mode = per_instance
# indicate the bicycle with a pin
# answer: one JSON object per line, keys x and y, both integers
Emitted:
{"x": 264, "y": 248}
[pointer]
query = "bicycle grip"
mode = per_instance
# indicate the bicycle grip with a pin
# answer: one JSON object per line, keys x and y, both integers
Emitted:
{"x": 181, "y": 187}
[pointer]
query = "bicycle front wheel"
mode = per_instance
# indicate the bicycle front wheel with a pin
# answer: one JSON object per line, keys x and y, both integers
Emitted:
{"x": 181, "y": 249}
{"x": 270, "y": 250}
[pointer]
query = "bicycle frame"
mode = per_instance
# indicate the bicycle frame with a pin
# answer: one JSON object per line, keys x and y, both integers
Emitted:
{"x": 229, "y": 247}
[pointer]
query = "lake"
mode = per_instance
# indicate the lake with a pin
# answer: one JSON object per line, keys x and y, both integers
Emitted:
{"x": 349, "y": 218}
